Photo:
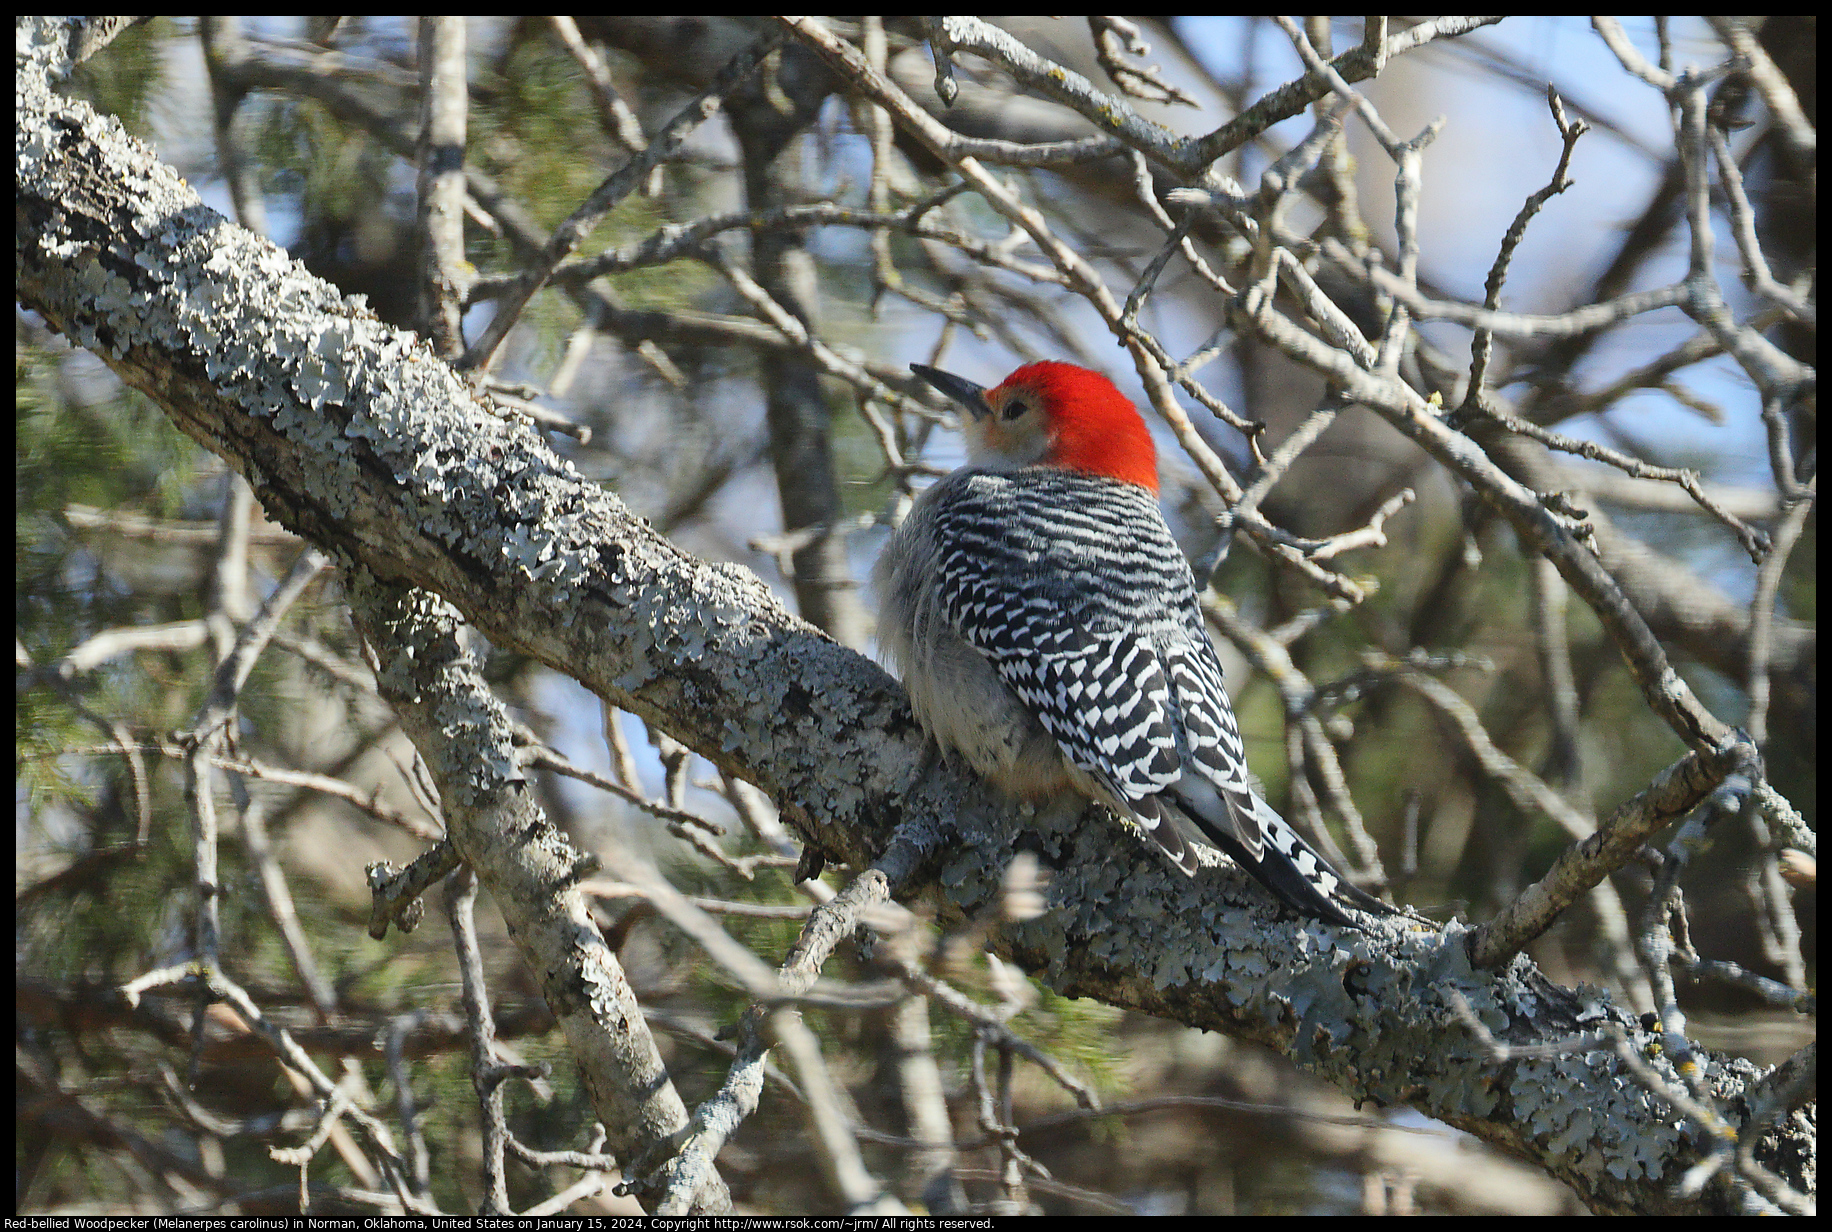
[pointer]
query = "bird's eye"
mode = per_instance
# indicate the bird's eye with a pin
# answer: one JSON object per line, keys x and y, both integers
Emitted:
{"x": 1015, "y": 408}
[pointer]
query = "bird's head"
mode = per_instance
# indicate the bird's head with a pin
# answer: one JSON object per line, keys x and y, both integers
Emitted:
{"x": 1052, "y": 414}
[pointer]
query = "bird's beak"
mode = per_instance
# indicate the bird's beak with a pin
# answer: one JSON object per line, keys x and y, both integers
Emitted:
{"x": 961, "y": 390}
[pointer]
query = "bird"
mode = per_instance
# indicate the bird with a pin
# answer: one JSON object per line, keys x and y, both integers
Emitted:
{"x": 1047, "y": 629}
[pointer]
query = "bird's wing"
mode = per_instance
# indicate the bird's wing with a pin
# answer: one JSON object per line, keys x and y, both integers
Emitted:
{"x": 1052, "y": 601}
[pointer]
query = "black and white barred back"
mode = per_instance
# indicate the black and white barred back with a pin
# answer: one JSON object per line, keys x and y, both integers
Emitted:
{"x": 1071, "y": 585}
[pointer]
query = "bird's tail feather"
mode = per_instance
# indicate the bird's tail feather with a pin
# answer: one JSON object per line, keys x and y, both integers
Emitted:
{"x": 1285, "y": 864}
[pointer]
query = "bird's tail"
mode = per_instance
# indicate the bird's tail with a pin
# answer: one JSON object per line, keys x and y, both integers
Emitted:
{"x": 1265, "y": 844}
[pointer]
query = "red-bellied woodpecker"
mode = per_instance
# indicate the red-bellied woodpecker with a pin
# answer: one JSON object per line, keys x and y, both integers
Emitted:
{"x": 1047, "y": 629}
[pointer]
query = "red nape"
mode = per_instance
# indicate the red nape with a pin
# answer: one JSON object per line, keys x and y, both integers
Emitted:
{"x": 1093, "y": 426}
